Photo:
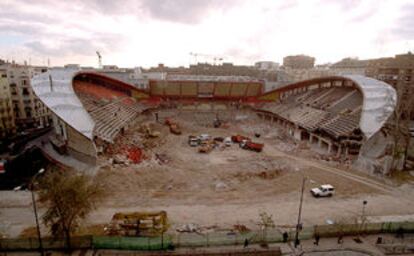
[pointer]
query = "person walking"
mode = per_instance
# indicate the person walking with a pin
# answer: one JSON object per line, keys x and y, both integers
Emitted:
{"x": 340, "y": 239}
{"x": 317, "y": 238}
{"x": 285, "y": 236}
{"x": 246, "y": 243}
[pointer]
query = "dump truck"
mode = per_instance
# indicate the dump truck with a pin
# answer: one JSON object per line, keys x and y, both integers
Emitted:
{"x": 238, "y": 138}
{"x": 250, "y": 145}
{"x": 174, "y": 127}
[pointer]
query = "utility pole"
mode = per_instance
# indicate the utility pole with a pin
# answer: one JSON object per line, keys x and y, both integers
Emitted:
{"x": 299, "y": 225}
{"x": 31, "y": 188}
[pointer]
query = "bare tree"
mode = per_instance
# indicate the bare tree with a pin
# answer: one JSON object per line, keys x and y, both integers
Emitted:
{"x": 69, "y": 198}
{"x": 400, "y": 125}
{"x": 266, "y": 221}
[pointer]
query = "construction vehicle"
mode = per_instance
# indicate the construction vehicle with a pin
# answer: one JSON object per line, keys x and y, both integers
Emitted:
{"x": 219, "y": 139}
{"x": 217, "y": 123}
{"x": 149, "y": 133}
{"x": 247, "y": 144}
{"x": 239, "y": 138}
{"x": 206, "y": 148}
{"x": 193, "y": 141}
{"x": 227, "y": 141}
{"x": 174, "y": 127}
{"x": 205, "y": 137}
{"x": 148, "y": 224}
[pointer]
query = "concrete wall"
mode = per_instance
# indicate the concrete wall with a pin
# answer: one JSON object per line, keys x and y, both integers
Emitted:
{"x": 375, "y": 156}
{"x": 81, "y": 147}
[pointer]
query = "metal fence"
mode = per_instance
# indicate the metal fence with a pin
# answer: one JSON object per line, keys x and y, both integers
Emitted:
{"x": 30, "y": 244}
{"x": 204, "y": 240}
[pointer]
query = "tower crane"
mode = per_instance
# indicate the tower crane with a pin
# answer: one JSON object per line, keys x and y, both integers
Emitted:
{"x": 216, "y": 59}
{"x": 99, "y": 59}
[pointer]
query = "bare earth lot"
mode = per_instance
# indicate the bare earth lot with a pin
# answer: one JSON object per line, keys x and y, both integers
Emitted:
{"x": 228, "y": 186}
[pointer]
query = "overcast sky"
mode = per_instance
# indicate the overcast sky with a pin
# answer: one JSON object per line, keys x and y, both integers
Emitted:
{"x": 132, "y": 33}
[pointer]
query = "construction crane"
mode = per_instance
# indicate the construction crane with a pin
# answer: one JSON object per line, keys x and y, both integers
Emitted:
{"x": 99, "y": 59}
{"x": 216, "y": 59}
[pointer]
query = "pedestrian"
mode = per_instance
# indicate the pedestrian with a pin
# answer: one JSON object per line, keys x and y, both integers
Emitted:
{"x": 285, "y": 236}
{"x": 340, "y": 239}
{"x": 400, "y": 233}
{"x": 246, "y": 243}
{"x": 156, "y": 117}
{"x": 317, "y": 237}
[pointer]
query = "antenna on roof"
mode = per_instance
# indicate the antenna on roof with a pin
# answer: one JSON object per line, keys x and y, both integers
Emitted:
{"x": 99, "y": 59}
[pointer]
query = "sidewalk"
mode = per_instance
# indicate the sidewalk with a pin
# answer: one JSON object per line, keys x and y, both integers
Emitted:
{"x": 326, "y": 247}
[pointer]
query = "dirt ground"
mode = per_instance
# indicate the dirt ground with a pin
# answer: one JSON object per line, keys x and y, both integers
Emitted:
{"x": 229, "y": 185}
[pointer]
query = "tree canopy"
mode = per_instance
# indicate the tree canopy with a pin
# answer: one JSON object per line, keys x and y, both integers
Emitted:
{"x": 69, "y": 198}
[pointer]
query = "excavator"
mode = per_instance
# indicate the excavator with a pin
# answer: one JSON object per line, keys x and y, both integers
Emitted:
{"x": 149, "y": 133}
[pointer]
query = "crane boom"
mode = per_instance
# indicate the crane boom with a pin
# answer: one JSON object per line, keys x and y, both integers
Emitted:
{"x": 99, "y": 59}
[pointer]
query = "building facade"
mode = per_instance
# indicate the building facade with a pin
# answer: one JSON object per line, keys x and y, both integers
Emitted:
{"x": 7, "y": 123}
{"x": 350, "y": 66}
{"x": 299, "y": 62}
{"x": 397, "y": 71}
{"x": 27, "y": 110}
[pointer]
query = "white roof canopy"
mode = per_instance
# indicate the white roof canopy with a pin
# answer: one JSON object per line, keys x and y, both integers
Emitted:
{"x": 54, "y": 88}
{"x": 379, "y": 103}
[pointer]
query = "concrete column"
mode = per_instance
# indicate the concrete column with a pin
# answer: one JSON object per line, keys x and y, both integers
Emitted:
{"x": 338, "y": 154}
{"x": 296, "y": 133}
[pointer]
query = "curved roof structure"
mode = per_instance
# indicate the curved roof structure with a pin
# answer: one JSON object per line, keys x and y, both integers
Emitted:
{"x": 54, "y": 89}
{"x": 379, "y": 99}
{"x": 379, "y": 102}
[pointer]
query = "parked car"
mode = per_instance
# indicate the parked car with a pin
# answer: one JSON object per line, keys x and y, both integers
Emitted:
{"x": 326, "y": 190}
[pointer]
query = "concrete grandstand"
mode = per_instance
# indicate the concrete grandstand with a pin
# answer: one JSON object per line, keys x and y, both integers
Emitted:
{"x": 336, "y": 114}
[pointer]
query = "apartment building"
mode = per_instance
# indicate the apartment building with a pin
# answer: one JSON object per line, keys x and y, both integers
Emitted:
{"x": 7, "y": 124}
{"x": 397, "y": 71}
{"x": 28, "y": 111}
{"x": 299, "y": 62}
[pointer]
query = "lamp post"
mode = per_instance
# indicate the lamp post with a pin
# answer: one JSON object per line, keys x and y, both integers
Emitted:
{"x": 299, "y": 225}
{"x": 31, "y": 187}
{"x": 364, "y": 203}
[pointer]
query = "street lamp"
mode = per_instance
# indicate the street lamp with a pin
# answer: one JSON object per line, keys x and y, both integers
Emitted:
{"x": 31, "y": 187}
{"x": 299, "y": 225}
{"x": 364, "y": 203}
